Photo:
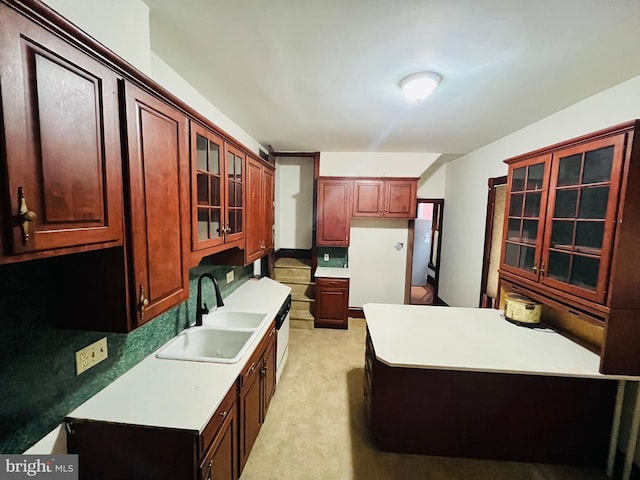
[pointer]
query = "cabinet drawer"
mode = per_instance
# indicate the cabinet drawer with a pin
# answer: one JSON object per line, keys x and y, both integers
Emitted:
{"x": 253, "y": 365}
{"x": 210, "y": 431}
{"x": 332, "y": 282}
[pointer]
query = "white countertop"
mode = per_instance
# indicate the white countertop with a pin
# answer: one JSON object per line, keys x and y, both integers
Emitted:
{"x": 332, "y": 272}
{"x": 473, "y": 339}
{"x": 181, "y": 394}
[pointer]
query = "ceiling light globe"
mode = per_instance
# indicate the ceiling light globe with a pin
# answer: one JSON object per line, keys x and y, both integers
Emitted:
{"x": 419, "y": 86}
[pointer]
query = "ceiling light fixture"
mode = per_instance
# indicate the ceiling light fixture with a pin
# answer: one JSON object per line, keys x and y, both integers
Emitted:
{"x": 418, "y": 86}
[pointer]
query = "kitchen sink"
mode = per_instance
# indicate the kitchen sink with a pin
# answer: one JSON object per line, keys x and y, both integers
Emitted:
{"x": 234, "y": 319}
{"x": 206, "y": 344}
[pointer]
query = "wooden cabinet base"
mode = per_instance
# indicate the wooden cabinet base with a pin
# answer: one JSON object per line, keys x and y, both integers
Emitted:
{"x": 490, "y": 415}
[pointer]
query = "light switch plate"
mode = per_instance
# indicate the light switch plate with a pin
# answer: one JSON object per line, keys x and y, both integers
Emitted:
{"x": 91, "y": 355}
{"x": 230, "y": 276}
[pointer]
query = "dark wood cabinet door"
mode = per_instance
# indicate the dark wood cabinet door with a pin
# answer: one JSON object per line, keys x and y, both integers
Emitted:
{"x": 368, "y": 198}
{"x": 269, "y": 377}
{"x": 253, "y": 234}
{"x": 62, "y": 150}
{"x": 158, "y": 189}
{"x": 235, "y": 198}
{"x": 208, "y": 188}
{"x": 250, "y": 414}
{"x": 332, "y": 303}
{"x": 267, "y": 215}
{"x": 334, "y": 212}
{"x": 524, "y": 223}
{"x": 221, "y": 461}
{"x": 400, "y": 198}
{"x": 581, "y": 217}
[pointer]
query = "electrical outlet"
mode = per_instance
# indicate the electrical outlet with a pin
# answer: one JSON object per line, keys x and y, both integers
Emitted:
{"x": 230, "y": 277}
{"x": 91, "y": 355}
{"x": 326, "y": 257}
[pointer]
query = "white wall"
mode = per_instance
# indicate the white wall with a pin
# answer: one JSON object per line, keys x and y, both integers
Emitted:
{"x": 376, "y": 268}
{"x": 432, "y": 185}
{"x": 172, "y": 81}
{"x": 120, "y": 25}
{"x": 375, "y": 164}
{"x": 294, "y": 202}
{"x": 466, "y": 182}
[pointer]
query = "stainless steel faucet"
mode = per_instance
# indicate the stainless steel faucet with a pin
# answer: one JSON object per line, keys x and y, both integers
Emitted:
{"x": 201, "y": 308}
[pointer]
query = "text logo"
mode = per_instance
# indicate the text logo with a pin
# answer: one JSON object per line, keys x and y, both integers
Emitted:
{"x": 52, "y": 467}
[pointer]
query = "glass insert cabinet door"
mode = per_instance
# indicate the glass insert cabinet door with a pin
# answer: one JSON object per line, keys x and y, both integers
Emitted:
{"x": 208, "y": 189}
{"x": 235, "y": 196}
{"x": 524, "y": 221}
{"x": 581, "y": 217}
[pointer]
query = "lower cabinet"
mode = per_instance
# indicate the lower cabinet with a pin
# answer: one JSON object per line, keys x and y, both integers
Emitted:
{"x": 257, "y": 386}
{"x": 114, "y": 450}
{"x": 332, "y": 302}
{"x": 221, "y": 459}
{"x": 109, "y": 450}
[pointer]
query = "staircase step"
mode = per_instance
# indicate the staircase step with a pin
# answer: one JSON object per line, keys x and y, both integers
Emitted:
{"x": 293, "y": 263}
{"x": 301, "y": 320}
{"x": 301, "y": 289}
{"x": 292, "y": 275}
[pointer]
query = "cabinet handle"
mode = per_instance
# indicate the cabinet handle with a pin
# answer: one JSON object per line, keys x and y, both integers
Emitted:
{"x": 273, "y": 330}
{"x": 142, "y": 302}
{"x": 208, "y": 477}
{"x": 26, "y": 216}
{"x": 224, "y": 414}
{"x": 543, "y": 270}
{"x": 251, "y": 368}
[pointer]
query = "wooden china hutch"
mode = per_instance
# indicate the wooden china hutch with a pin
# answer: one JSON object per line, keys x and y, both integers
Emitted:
{"x": 571, "y": 240}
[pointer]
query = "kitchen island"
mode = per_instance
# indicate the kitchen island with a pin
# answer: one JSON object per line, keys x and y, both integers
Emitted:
{"x": 464, "y": 382}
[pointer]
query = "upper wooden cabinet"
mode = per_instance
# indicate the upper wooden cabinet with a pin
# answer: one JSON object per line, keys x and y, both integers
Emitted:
{"x": 62, "y": 150}
{"x": 571, "y": 237}
{"x": 260, "y": 214}
{"x": 334, "y": 211}
{"x": 384, "y": 198}
{"x": 158, "y": 174}
{"x": 561, "y": 216}
{"x": 217, "y": 194}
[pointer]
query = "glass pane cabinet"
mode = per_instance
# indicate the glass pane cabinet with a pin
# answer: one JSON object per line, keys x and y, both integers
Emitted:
{"x": 581, "y": 216}
{"x": 209, "y": 188}
{"x": 527, "y": 197}
{"x": 235, "y": 194}
{"x": 561, "y": 216}
{"x": 217, "y": 193}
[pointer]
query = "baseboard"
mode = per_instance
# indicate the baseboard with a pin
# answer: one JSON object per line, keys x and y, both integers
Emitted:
{"x": 356, "y": 312}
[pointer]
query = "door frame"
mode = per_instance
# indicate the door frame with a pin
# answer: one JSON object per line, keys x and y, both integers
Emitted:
{"x": 436, "y": 268}
{"x": 492, "y": 183}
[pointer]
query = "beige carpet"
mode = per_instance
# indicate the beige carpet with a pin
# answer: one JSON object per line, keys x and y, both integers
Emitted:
{"x": 315, "y": 428}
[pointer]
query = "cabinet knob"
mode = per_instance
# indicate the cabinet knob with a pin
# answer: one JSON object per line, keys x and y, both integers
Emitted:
{"x": 224, "y": 414}
{"x": 25, "y": 215}
{"x": 142, "y": 302}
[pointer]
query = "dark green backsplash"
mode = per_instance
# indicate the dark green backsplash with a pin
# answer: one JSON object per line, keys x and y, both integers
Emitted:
{"x": 338, "y": 256}
{"x": 37, "y": 360}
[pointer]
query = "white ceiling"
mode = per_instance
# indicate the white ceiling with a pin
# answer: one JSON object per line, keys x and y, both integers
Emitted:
{"x": 322, "y": 75}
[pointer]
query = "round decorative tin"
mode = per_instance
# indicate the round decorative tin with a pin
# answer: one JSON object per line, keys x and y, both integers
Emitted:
{"x": 521, "y": 310}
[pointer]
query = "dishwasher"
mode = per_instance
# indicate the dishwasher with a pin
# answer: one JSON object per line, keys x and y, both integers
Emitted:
{"x": 282, "y": 344}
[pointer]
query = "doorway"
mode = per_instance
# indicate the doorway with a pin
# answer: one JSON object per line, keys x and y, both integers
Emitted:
{"x": 489, "y": 284}
{"x": 425, "y": 240}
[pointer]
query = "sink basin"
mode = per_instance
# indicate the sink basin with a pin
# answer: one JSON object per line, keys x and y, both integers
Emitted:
{"x": 204, "y": 344}
{"x": 234, "y": 319}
